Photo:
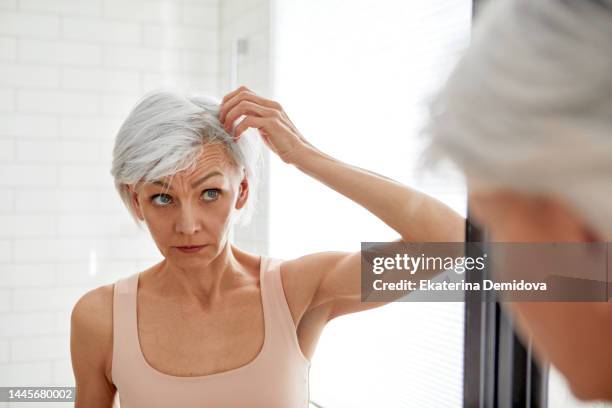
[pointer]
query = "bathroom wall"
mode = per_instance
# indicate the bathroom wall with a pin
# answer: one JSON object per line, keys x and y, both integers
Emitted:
{"x": 70, "y": 70}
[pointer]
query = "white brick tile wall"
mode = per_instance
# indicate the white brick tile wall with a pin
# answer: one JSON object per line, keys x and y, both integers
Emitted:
{"x": 180, "y": 37}
{"x": 6, "y": 255}
{"x": 39, "y": 348}
{"x": 28, "y": 76}
{"x": 28, "y": 175}
{"x": 146, "y": 59}
{"x": 27, "y": 324}
{"x": 7, "y": 200}
{"x": 200, "y": 15}
{"x": 90, "y": 79}
{"x": 52, "y": 299}
{"x": 29, "y": 25}
{"x": 7, "y": 100}
{"x": 67, "y": 201}
{"x": 27, "y": 275}
{"x": 61, "y": 53}
{"x": 101, "y": 31}
{"x": 5, "y": 298}
{"x": 8, "y": 48}
{"x": 43, "y": 101}
{"x": 27, "y": 226}
{"x": 157, "y": 11}
{"x": 4, "y": 351}
{"x": 39, "y": 126}
{"x": 26, "y": 374}
{"x": 8, "y": 4}
{"x": 63, "y": 7}
{"x": 7, "y": 150}
{"x": 88, "y": 127}
{"x": 84, "y": 176}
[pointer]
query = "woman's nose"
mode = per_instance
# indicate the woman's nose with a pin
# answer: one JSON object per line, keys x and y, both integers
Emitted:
{"x": 188, "y": 222}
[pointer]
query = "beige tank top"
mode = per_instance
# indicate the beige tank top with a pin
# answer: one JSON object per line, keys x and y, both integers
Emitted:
{"x": 276, "y": 378}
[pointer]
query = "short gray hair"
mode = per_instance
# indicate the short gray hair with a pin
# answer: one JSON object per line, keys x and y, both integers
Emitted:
{"x": 166, "y": 132}
{"x": 529, "y": 105}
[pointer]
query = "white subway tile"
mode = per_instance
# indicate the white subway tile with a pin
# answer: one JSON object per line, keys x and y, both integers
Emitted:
{"x": 29, "y": 125}
{"x": 40, "y": 151}
{"x": 7, "y": 200}
{"x": 103, "y": 80}
{"x": 7, "y": 150}
{"x": 62, "y": 373}
{"x": 57, "y": 102}
{"x": 199, "y": 63}
{"x": 7, "y": 100}
{"x": 86, "y": 127}
{"x": 95, "y": 225}
{"x": 145, "y": 11}
{"x": 52, "y": 299}
{"x": 29, "y": 25}
{"x": 64, "y": 151}
{"x": 26, "y": 324}
{"x": 32, "y": 250}
{"x": 133, "y": 248}
{"x": 63, "y": 7}
{"x": 146, "y": 59}
{"x": 201, "y": 15}
{"x": 8, "y": 48}
{"x": 8, "y": 4}
{"x": 119, "y": 104}
{"x": 27, "y": 225}
{"x": 6, "y": 255}
{"x": 18, "y": 175}
{"x": 68, "y": 200}
{"x": 4, "y": 351}
{"x": 28, "y": 76}
{"x": 169, "y": 36}
{"x": 55, "y": 52}
{"x": 40, "y": 348}
{"x": 204, "y": 84}
{"x": 26, "y": 374}
{"x": 85, "y": 176}
{"x": 28, "y": 275}
{"x": 96, "y": 30}
{"x": 5, "y": 299}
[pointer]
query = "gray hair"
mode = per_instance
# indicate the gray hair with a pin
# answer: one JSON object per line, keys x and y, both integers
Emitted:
{"x": 529, "y": 105}
{"x": 165, "y": 133}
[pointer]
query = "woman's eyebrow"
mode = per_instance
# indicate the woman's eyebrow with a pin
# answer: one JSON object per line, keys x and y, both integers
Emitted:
{"x": 194, "y": 184}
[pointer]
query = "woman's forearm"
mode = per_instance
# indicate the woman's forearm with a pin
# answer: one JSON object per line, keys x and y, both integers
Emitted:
{"x": 416, "y": 216}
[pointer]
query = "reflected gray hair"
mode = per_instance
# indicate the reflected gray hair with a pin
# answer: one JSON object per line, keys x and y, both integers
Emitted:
{"x": 166, "y": 132}
{"x": 529, "y": 105}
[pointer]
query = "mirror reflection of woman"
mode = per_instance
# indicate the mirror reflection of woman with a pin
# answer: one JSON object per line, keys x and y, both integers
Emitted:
{"x": 211, "y": 324}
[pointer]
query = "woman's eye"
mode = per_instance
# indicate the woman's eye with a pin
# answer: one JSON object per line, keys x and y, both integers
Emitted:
{"x": 161, "y": 199}
{"x": 211, "y": 194}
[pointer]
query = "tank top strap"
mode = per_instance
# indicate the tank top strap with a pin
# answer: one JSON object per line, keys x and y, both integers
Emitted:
{"x": 125, "y": 342}
{"x": 282, "y": 326}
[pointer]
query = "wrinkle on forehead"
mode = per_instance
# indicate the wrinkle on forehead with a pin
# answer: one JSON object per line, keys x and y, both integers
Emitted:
{"x": 214, "y": 156}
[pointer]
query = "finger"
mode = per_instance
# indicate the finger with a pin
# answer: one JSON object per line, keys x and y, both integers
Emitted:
{"x": 234, "y": 92}
{"x": 250, "y": 122}
{"x": 249, "y": 96}
{"x": 246, "y": 108}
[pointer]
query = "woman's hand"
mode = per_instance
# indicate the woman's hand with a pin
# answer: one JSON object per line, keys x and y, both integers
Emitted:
{"x": 277, "y": 131}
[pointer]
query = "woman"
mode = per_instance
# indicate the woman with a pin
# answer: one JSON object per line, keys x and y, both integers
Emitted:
{"x": 211, "y": 324}
{"x": 527, "y": 115}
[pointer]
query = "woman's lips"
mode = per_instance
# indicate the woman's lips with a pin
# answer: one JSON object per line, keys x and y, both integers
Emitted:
{"x": 190, "y": 249}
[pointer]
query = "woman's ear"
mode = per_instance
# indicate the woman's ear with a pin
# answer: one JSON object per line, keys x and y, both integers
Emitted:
{"x": 135, "y": 202}
{"x": 243, "y": 192}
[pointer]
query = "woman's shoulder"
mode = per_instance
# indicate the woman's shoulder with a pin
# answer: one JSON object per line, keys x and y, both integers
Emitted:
{"x": 91, "y": 328}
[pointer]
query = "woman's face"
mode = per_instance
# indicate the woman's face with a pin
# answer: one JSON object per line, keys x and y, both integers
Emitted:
{"x": 515, "y": 217}
{"x": 198, "y": 208}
